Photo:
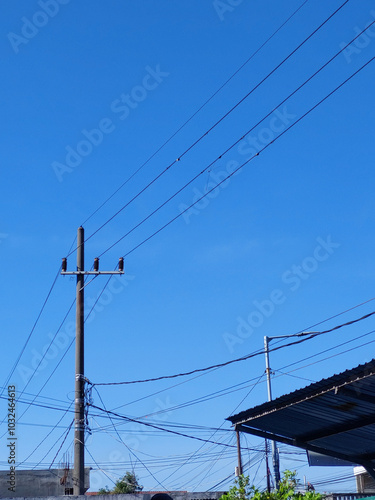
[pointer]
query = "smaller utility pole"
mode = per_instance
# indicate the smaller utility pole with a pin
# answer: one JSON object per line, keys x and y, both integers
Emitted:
{"x": 267, "y": 469}
{"x": 79, "y": 411}
{"x": 275, "y": 452}
{"x": 239, "y": 468}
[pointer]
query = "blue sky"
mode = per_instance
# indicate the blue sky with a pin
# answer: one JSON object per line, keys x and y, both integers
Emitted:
{"x": 89, "y": 93}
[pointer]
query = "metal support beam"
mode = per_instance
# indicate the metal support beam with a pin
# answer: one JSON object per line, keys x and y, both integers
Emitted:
{"x": 304, "y": 445}
{"x": 240, "y": 471}
{"x": 338, "y": 428}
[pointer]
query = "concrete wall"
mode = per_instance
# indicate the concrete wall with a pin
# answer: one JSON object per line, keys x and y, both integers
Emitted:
{"x": 141, "y": 496}
{"x": 38, "y": 483}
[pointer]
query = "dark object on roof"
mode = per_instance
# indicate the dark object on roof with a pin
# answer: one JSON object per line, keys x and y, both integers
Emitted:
{"x": 335, "y": 416}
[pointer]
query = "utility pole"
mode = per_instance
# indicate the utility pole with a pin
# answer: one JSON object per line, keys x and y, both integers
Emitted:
{"x": 275, "y": 453}
{"x": 267, "y": 469}
{"x": 239, "y": 468}
{"x": 79, "y": 409}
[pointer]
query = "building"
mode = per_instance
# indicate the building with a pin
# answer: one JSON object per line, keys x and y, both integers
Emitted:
{"x": 39, "y": 483}
{"x": 365, "y": 483}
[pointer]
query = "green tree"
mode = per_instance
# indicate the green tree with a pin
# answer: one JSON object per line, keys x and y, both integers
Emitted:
{"x": 104, "y": 491}
{"x": 128, "y": 484}
{"x": 286, "y": 490}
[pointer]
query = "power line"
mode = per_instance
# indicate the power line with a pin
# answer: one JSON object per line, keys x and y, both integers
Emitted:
{"x": 232, "y": 413}
{"x": 246, "y": 162}
{"x": 129, "y": 449}
{"x": 30, "y": 334}
{"x": 62, "y": 444}
{"x": 264, "y": 148}
{"x": 331, "y": 317}
{"x": 237, "y": 141}
{"x": 99, "y": 468}
{"x": 253, "y": 379}
{"x": 46, "y": 437}
{"x": 204, "y": 398}
{"x": 335, "y": 355}
{"x": 197, "y": 111}
{"x": 33, "y": 328}
{"x": 242, "y": 358}
{"x": 217, "y": 122}
{"x": 38, "y": 405}
{"x": 236, "y": 387}
{"x": 147, "y": 424}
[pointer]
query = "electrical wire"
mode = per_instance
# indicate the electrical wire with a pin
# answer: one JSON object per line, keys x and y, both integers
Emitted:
{"x": 180, "y": 158}
{"x": 233, "y": 412}
{"x": 147, "y": 424}
{"x": 242, "y": 358}
{"x": 332, "y": 317}
{"x": 32, "y": 329}
{"x": 220, "y": 156}
{"x": 197, "y": 111}
{"x": 276, "y": 348}
{"x": 47, "y": 436}
{"x": 129, "y": 449}
{"x": 330, "y": 349}
{"x": 221, "y": 392}
{"x": 217, "y": 122}
{"x": 30, "y": 334}
{"x": 282, "y": 346}
{"x": 62, "y": 444}
{"x": 99, "y": 468}
{"x": 247, "y": 161}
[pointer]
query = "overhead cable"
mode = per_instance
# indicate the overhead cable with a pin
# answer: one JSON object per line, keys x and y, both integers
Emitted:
{"x": 217, "y": 122}
{"x": 243, "y": 358}
{"x": 196, "y": 112}
{"x": 220, "y": 156}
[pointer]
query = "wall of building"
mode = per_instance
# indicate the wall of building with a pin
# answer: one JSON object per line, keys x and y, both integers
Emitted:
{"x": 140, "y": 496}
{"x": 38, "y": 483}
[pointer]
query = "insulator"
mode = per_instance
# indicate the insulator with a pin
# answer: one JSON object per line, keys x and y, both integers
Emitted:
{"x": 96, "y": 264}
{"x": 121, "y": 264}
{"x": 64, "y": 265}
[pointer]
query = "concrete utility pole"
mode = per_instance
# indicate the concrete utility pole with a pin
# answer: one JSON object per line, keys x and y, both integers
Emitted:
{"x": 239, "y": 468}
{"x": 79, "y": 411}
{"x": 275, "y": 453}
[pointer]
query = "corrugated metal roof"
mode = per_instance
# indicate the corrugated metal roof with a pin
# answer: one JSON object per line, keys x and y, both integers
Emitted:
{"x": 335, "y": 416}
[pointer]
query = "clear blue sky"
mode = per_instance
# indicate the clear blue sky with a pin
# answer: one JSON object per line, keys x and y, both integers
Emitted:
{"x": 89, "y": 92}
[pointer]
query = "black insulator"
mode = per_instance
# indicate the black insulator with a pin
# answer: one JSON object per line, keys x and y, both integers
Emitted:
{"x": 96, "y": 264}
{"x": 121, "y": 264}
{"x": 64, "y": 265}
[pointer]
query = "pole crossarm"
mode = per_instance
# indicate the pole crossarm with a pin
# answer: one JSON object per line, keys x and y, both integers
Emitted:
{"x": 90, "y": 272}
